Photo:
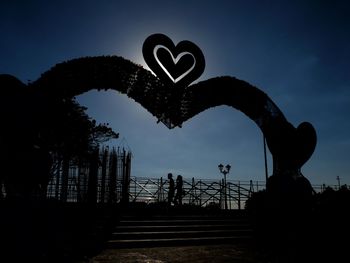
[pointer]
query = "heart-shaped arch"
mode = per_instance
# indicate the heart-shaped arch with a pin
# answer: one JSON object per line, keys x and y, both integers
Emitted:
{"x": 290, "y": 147}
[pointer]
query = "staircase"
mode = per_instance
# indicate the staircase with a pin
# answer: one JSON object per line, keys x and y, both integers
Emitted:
{"x": 179, "y": 230}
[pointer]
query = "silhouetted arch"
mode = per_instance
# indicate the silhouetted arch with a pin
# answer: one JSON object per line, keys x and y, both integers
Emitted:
{"x": 291, "y": 147}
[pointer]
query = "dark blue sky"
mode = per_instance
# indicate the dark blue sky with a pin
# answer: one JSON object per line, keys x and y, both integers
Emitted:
{"x": 296, "y": 51}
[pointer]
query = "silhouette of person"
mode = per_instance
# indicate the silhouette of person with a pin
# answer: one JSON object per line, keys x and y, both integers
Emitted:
{"x": 179, "y": 185}
{"x": 171, "y": 189}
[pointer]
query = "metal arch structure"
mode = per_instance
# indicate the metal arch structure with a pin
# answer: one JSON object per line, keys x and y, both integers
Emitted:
{"x": 290, "y": 147}
{"x": 74, "y": 77}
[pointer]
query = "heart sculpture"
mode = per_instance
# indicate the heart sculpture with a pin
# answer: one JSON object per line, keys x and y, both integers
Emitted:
{"x": 306, "y": 142}
{"x": 290, "y": 146}
{"x": 176, "y": 65}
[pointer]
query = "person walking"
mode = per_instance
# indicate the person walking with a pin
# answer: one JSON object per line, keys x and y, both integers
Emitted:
{"x": 171, "y": 189}
{"x": 179, "y": 190}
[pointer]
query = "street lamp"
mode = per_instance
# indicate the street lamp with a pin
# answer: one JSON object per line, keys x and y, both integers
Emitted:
{"x": 224, "y": 170}
{"x": 338, "y": 179}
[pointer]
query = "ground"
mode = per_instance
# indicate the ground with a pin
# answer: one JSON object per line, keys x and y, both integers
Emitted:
{"x": 194, "y": 254}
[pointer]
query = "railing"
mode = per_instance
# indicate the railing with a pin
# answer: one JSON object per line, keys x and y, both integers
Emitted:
{"x": 113, "y": 184}
{"x": 200, "y": 192}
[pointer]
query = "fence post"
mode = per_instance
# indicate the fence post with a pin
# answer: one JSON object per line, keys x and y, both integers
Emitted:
{"x": 160, "y": 184}
{"x": 126, "y": 177}
{"x": 200, "y": 193}
{"x": 163, "y": 191}
{"x": 113, "y": 158}
{"x": 128, "y": 174}
{"x": 85, "y": 181}
{"x": 103, "y": 175}
{"x": 92, "y": 180}
{"x": 221, "y": 193}
{"x": 79, "y": 199}
{"x": 135, "y": 189}
{"x": 64, "y": 184}
{"x": 251, "y": 188}
{"x": 239, "y": 195}
{"x": 58, "y": 176}
{"x": 229, "y": 194}
{"x": 193, "y": 197}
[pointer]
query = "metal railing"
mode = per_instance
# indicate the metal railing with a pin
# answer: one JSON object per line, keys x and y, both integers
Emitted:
{"x": 200, "y": 192}
{"x": 113, "y": 182}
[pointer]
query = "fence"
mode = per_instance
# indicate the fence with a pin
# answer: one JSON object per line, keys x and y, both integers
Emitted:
{"x": 199, "y": 192}
{"x": 104, "y": 178}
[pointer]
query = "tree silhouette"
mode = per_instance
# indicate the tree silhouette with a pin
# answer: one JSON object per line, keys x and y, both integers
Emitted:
{"x": 38, "y": 131}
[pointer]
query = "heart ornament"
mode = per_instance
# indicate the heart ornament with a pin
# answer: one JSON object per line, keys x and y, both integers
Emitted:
{"x": 178, "y": 65}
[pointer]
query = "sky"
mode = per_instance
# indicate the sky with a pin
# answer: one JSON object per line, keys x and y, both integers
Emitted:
{"x": 295, "y": 51}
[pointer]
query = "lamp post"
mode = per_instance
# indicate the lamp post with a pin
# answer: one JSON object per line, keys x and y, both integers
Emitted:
{"x": 338, "y": 179}
{"x": 224, "y": 170}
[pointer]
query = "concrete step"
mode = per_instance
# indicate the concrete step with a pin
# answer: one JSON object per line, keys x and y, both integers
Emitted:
{"x": 199, "y": 221}
{"x": 180, "y": 217}
{"x": 181, "y": 234}
{"x": 189, "y": 227}
{"x": 172, "y": 230}
{"x": 163, "y": 242}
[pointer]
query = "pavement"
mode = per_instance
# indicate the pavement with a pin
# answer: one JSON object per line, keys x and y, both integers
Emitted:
{"x": 238, "y": 253}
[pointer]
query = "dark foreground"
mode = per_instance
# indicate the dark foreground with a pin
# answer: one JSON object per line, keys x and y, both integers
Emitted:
{"x": 49, "y": 231}
{"x": 194, "y": 254}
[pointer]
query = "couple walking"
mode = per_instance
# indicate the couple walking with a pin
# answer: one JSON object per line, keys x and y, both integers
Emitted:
{"x": 177, "y": 200}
